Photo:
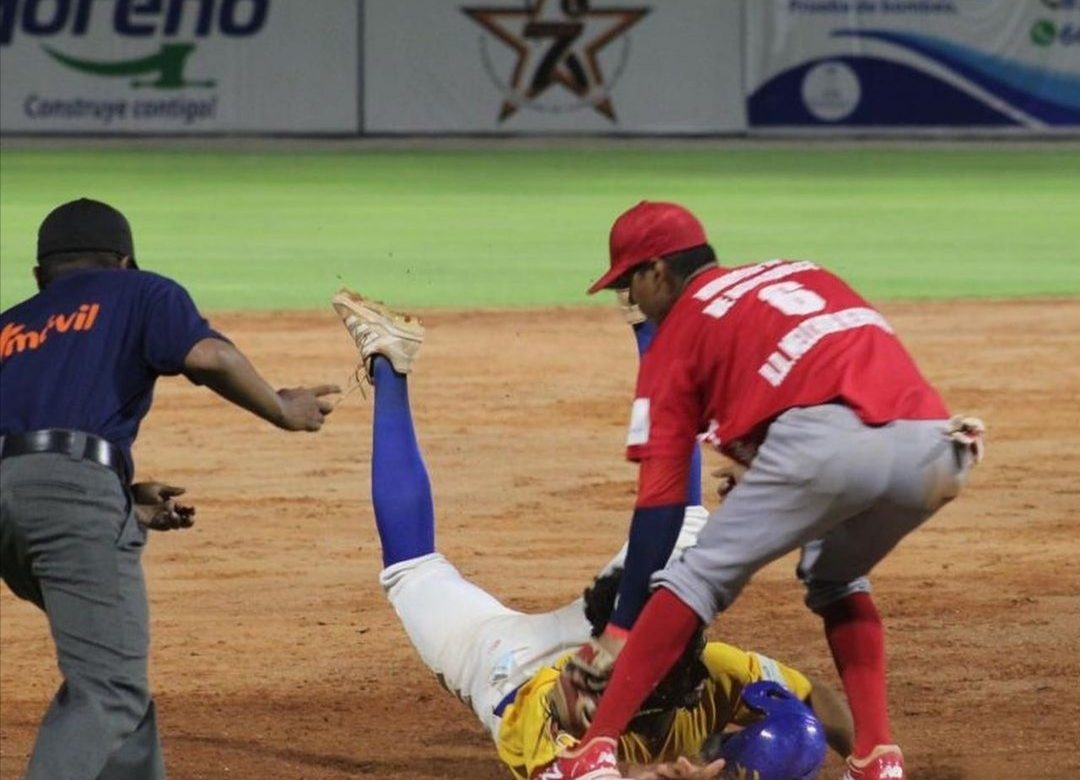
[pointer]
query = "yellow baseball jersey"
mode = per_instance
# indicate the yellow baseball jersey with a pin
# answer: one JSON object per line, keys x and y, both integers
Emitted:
{"x": 529, "y": 738}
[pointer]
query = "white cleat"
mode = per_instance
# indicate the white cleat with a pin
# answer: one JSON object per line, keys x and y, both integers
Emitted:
{"x": 378, "y": 330}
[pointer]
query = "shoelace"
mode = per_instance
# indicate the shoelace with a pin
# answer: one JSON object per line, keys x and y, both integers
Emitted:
{"x": 361, "y": 375}
{"x": 356, "y": 381}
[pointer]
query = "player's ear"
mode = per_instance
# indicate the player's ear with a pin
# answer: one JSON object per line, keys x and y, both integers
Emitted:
{"x": 39, "y": 277}
{"x": 125, "y": 262}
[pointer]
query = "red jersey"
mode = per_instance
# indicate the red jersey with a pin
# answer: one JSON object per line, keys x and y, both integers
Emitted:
{"x": 741, "y": 346}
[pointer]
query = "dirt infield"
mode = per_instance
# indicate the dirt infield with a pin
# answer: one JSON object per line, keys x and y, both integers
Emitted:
{"x": 276, "y": 657}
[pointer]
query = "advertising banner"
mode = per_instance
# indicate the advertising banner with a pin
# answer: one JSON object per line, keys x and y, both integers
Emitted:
{"x": 553, "y": 66}
{"x": 1011, "y": 64}
{"x": 179, "y": 66}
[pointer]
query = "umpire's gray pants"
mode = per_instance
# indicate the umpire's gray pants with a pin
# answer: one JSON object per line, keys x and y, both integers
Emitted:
{"x": 70, "y": 543}
{"x": 844, "y": 492}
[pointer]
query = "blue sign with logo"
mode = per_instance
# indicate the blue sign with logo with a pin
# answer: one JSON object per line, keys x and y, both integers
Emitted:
{"x": 883, "y": 63}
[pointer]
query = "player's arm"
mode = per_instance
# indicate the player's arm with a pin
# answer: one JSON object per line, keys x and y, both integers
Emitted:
{"x": 654, "y": 528}
{"x": 177, "y": 339}
{"x": 694, "y": 519}
{"x": 832, "y": 710}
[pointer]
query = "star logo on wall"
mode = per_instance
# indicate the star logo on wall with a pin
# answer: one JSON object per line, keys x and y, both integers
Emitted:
{"x": 556, "y": 45}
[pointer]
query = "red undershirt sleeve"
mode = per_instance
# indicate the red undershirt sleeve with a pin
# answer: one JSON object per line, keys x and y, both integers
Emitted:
{"x": 662, "y": 481}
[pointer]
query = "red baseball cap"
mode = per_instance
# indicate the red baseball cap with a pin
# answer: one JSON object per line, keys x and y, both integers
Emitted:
{"x": 648, "y": 230}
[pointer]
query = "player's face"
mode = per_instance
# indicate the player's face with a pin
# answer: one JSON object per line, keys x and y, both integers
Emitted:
{"x": 651, "y": 289}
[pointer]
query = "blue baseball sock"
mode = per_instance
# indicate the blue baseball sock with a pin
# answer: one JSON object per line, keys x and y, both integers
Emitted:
{"x": 400, "y": 487}
{"x": 644, "y": 333}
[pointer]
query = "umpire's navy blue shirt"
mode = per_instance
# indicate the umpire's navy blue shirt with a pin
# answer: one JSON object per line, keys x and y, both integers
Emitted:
{"x": 84, "y": 353}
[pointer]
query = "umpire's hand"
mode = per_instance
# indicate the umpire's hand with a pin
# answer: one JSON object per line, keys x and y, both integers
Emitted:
{"x": 304, "y": 408}
{"x": 156, "y": 510}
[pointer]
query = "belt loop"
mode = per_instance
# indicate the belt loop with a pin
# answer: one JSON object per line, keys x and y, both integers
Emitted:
{"x": 74, "y": 438}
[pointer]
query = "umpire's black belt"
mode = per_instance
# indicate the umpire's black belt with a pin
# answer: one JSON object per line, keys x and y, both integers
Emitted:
{"x": 77, "y": 445}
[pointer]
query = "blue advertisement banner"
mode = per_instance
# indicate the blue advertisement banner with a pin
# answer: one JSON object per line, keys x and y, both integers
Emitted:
{"x": 914, "y": 63}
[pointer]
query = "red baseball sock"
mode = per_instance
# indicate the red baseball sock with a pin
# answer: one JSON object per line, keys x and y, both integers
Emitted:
{"x": 857, "y": 640}
{"x": 658, "y": 639}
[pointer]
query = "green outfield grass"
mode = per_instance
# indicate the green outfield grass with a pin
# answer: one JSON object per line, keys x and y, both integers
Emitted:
{"x": 513, "y": 228}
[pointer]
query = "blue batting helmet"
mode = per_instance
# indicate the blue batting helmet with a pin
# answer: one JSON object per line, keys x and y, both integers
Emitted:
{"x": 788, "y": 743}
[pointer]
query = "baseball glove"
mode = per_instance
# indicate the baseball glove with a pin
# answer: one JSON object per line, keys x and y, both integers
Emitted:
{"x": 970, "y": 433}
{"x": 728, "y": 476}
{"x": 574, "y": 698}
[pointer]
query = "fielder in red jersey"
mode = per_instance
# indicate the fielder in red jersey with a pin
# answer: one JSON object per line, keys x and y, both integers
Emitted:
{"x": 741, "y": 346}
{"x": 786, "y": 369}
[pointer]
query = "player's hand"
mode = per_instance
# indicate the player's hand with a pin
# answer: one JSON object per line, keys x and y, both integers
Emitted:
{"x": 156, "y": 510}
{"x": 304, "y": 408}
{"x": 683, "y": 769}
{"x": 590, "y": 667}
{"x": 728, "y": 477}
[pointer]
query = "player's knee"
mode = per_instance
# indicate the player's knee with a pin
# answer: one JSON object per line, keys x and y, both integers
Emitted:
{"x": 820, "y": 594}
{"x": 117, "y": 704}
{"x": 398, "y": 576}
{"x": 708, "y": 582}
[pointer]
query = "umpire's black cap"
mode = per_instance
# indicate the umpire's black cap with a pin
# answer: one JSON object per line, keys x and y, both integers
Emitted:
{"x": 85, "y": 225}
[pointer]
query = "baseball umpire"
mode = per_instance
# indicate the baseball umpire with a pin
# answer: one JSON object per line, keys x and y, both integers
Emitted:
{"x": 508, "y": 666}
{"x": 780, "y": 365}
{"x": 79, "y": 363}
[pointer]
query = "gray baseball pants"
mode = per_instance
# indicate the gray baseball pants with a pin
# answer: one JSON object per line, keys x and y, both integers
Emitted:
{"x": 844, "y": 492}
{"x": 70, "y": 543}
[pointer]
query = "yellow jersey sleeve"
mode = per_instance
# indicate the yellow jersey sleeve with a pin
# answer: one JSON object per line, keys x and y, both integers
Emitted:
{"x": 528, "y": 737}
{"x": 732, "y": 669}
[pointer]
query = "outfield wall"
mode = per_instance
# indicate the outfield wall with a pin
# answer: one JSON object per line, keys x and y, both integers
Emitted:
{"x": 506, "y": 67}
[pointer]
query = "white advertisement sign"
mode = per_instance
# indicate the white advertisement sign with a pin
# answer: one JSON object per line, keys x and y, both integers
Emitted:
{"x": 179, "y": 66}
{"x": 1008, "y": 64}
{"x": 553, "y": 66}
